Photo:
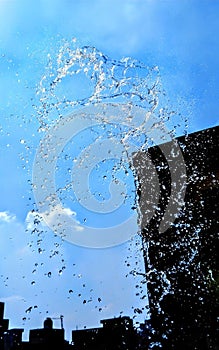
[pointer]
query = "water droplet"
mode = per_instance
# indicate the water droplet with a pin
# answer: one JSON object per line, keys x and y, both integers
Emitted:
{"x": 29, "y": 309}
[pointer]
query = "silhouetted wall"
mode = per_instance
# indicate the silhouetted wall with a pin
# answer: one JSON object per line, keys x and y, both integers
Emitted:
{"x": 182, "y": 262}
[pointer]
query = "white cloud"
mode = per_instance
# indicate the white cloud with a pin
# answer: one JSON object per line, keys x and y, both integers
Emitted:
{"x": 52, "y": 219}
{"x": 32, "y": 218}
{"x": 6, "y": 217}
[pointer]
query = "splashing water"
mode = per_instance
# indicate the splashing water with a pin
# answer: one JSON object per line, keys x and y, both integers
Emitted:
{"x": 87, "y": 72}
{"x": 96, "y": 206}
{"x": 96, "y": 116}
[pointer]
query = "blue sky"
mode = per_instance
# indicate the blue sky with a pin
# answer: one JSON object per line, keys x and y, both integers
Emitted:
{"x": 179, "y": 37}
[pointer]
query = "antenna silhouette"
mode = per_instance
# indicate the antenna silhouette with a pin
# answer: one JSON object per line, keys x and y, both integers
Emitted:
{"x": 59, "y": 318}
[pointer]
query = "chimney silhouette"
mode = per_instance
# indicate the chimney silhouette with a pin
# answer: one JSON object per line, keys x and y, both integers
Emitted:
{"x": 48, "y": 323}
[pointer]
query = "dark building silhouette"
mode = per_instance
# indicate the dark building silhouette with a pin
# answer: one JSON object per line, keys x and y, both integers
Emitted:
{"x": 10, "y": 339}
{"x": 119, "y": 333}
{"x": 90, "y": 339}
{"x": 144, "y": 335}
{"x": 47, "y": 337}
{"x": 115, "y": 334}
{"x": 4, "y": 323}
{"x": 2, "y": 307}
{"x": 13, "y": 339}
{"x": 182, "y": 261}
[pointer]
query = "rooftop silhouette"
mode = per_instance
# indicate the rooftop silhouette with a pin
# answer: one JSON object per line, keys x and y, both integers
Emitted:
{"x": 115, "y": 333}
